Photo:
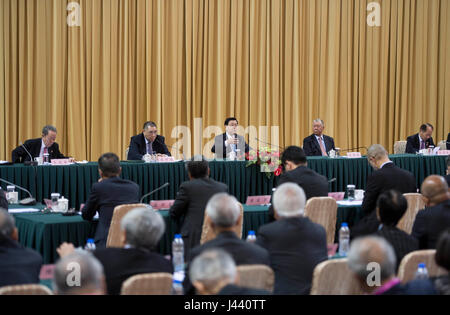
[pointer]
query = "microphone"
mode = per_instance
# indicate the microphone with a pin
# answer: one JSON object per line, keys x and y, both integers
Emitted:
{"x": 332, "y": 180}
{"x": 172, "y": 147}
{"x": 354, "y": 149}
{"x": 153, "y": 191}
{"x": 26, "y": 201}
{"x": 31, "y": 162}
{"x": 274, "y": 145}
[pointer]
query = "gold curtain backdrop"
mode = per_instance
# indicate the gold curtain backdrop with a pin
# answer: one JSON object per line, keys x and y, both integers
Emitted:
{"x": 268, "y": 62}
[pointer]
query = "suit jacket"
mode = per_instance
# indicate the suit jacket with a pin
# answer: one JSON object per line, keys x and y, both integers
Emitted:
{"x": 448, "y": 141}
{"x": 243, "y": 253}
{"x": 447, "y": 178}
{"x": 296, "y": 245}
{"x": 221, "y": 152}
{"x": 190, "y": 203}
{"x": 19, "y": 155}
{"x": 414, "y": 287}
{"x": 232, "y": 289}
{"x": 18, "y": 265}
{"x": 312, "y": 147}
{"x": 402, "y": 242}
{"x": 413, "y": 143}
{"x": 119, "y": 264}
{"x": 104, "y": 197}
{"x": 314, "y": 184}
{"x": 430, "y": 223}
{"x": 3, "y": 201}
{"x": 138, "y": 147}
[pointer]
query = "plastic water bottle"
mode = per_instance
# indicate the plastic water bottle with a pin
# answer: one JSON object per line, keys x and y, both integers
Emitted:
{"x": 344, "y": 240}
{"x": 90, "y": 245}
{"x": 422, "y": 272}
{"x": 178, "y": 253}
{"x": 251, "y": 237}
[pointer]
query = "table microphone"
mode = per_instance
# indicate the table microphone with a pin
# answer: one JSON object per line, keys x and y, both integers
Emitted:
{"x": 332, "y": 180}
{"x": 153, "y": 191}
{"x": 172, "y": 147}
{"x": 26, "y": 201}
{"x": 274, "y": 145}
{"x": 31, "y": 162}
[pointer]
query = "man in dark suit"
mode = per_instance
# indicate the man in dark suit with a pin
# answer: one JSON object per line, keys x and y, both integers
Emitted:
{"x": 3, "y": 200}
{"x": 318, "y": 144}
{"x": 230, "y": 145}
{"x": 391, "y": 206}
{"x": 386, "y": 176}
{"x": 191, "y": 201}
{"x": 142, "y": 228}
{"x": 294, "y": 162}
{"x": 214, "y": 272}
{"x": 147, "y": 142}
{"x": 109, "y": 192}
{"x": 432, "y": 221}
{"x": 223, "y": 216}
{"x": 295, "y": 244}
{"x": 18, "y": 265}
{"x": 448, "y": 141}
{"x": 38, "y": 147}
{"x": 447, "y": 177}
{"x": 421, "y": 140}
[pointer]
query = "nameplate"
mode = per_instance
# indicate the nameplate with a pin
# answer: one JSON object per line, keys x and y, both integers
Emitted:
{"x": 353, "y": 155}
{"x": 443, "y": 152}
{"x": 61, "y": 162}
{"x": 47, "y": 272}
{"x": 336, "y": 195}
{"x": 161, "y": 204}
{"x": 165, "y": 159}
{"x": 258, "y": 200}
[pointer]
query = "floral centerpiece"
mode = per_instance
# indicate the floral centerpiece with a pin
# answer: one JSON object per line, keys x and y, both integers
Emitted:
{"x": 268, "y": 160}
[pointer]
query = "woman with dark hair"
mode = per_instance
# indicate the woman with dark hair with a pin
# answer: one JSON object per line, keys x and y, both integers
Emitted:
{"x": 442, "y": 283}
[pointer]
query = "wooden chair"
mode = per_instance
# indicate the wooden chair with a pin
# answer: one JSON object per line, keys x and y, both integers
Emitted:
{"x": 208, "y": 234}
{"x": 333, "y": 277}
{"x": 442, "y": 145}
{"x": 415, "y": 204}
{"x": 323, "y": 210}
{"x": 159, "y": 283}
{"x": 408, "y": 265}
{"x": 25, "y": 289}
{"x": 399, "y": 147}
{"x": 114, "y": 239}
{"x": 256, "y": 277}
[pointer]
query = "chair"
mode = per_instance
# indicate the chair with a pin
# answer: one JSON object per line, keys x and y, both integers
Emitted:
{"x": 323, "y": 210}
{"x": 333, "y": 277}
{"x": 114, "y": 237}
{"x": 158, "y": 283}
{"x": 208, "y": 234}
{"x": 399, "y": 147}
{"x": 408, "y": 265}
{"x": 442, "y": 145}
{"x": 256, "y": 277}
{"x": 25, "y": 289}
{"x": 415, "y": 204}
{"x": 126, "y": 152}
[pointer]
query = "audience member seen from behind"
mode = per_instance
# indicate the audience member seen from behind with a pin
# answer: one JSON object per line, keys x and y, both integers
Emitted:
{"x": 214, "y": 272}
{"x": 442, "y": 283}
{"x": 79, "y": 273}
{"x": 372, "y": 260}
{"x": 18, "y": 265}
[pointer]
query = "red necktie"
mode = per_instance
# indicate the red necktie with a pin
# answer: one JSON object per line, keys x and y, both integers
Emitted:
{"x": 45, "y": 150}
{"x": 322, "y": 147}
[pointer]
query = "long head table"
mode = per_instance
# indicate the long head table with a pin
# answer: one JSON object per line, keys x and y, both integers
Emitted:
{"x": 74, "y": 181}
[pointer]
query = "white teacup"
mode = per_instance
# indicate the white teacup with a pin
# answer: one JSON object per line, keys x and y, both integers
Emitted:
{"x": 359, "y": 194}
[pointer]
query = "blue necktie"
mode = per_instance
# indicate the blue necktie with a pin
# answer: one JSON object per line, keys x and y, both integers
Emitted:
{"x": 149, "y": 148}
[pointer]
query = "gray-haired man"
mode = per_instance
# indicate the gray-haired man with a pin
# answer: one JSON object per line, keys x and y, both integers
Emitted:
{"x": 318, "y": 144}
{"x": 142, "y": 228}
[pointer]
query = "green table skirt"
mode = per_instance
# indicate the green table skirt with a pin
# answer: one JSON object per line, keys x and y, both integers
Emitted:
{"x": 74, "y": 182}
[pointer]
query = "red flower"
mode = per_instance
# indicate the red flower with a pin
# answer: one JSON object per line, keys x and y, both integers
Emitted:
{"x": 278, "y": 171}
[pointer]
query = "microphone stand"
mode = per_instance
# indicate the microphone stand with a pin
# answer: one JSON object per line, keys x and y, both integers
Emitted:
{"x": 153, "y": 191}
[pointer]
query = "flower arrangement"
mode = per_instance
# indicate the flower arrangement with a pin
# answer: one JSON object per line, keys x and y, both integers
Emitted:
{"x": 268, "y": 160}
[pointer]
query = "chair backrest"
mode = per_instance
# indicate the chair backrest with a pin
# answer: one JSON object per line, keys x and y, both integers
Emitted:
{"x": 114, "y": 239}
{"x": 409, "y": 264}
{"x": 256, "y": 277}
{"x": 333, "y": 277}
{"x": 399, "y": 147}
{"x": 323, "y": 210}
{"x": 442, "y": 145}
{"x": 126, "y": 152}
{"x": 159, "y": 283}
{"x": 208, "y": 234}
{"x": 25, "y": 289}
{"x": 415, "y": 204}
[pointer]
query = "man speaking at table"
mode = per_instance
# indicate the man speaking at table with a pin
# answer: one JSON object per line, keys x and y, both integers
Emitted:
{"x": 230, "y": 144}
{"x": 318, "y": 144}
{"x": 109, "y": 192}
{"x": 38, "y": 147}
{"x": 147, "y": 142}
{"x": 421, "y": 140}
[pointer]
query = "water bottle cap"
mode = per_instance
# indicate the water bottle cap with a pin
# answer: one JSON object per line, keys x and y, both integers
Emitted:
{"x": 251, "y": 232}
{"x": 344, "y": 224}
{"x": 90, "y": 240}
{"x": 422, "y": 265}
{"x": 177, "y": 235}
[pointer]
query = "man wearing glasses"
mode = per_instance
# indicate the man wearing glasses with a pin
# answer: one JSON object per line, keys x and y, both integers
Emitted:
{"x": 147, "y": 142}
